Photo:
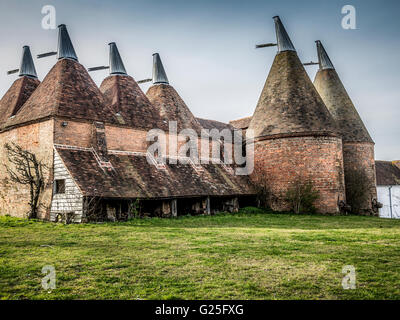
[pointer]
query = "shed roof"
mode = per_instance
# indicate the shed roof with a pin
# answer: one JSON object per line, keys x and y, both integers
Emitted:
{"x": 134, "y": 177}
{"x": 242, "y": 123}
{"x": 387, "y": 173}
{"x": 213, "y": 124}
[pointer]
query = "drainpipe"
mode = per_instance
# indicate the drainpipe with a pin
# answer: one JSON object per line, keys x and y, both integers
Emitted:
{"x": 390, "y": 202}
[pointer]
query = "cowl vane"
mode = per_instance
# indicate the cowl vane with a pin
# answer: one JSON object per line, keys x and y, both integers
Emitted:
{"x": 65, "y": 47}
{"x": 323, "y": 58}
{"x": 27, "y": 67}
{"x": 116, "y": 64}
{"x": 159, "y": 75}
{"x": 284, "y": 42}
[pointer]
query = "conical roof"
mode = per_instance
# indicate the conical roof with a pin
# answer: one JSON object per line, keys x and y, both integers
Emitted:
{"x": 289, "y": 104}
{"x": 125, "y": 98}
{"x": 167, "y": 100}
{"x": 16, "y": 96}
{"x": 127, "y": 101}
{"x": 21, "y": 89}
{"x": 66, "y": 91}
{"x": 338, "y": 102}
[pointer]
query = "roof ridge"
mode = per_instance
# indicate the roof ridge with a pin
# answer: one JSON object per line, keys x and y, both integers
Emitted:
{"x": 241, "y": 118}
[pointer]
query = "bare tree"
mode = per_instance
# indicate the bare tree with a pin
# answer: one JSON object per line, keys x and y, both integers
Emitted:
{"x": 26, "y": 169}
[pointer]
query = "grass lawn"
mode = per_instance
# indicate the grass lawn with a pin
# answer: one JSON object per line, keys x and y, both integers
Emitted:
{"x": 227, "y": 256}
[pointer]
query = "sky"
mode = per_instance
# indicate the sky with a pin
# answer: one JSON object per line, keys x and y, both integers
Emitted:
{"x": 208, "y": 49}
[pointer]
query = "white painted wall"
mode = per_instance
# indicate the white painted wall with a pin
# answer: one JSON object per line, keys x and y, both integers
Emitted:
{"x": 384, "y": 198}
{"x": 72, "y": 199}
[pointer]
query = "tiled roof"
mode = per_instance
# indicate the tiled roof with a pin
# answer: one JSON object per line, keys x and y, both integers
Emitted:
{"x": 213, "y": 124}
{"x": 339, "y": 104}
{"x": 172, "y": 107}
{"x": 123, "y": 96}
{"x": 289, "y": 102}
{"x": 133, "y": 177}
{"x": 67, "y": 91}
{"x": 242, "y": 123}
{"x": 387, "y": 173}
{"x": 16, "y": 96}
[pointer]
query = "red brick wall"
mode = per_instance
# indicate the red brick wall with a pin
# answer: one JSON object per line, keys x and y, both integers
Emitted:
{"x": 126, "y": 139}
{"x": 37, "y": 138}
{"x": 319, "y": 159}
{"x": 360, "y": 155}
{"x": 118, "y": 138}
{"x": 74, "y": 133}
{"x": 80, "y": 134}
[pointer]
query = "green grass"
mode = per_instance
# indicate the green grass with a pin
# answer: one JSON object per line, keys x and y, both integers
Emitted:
{"x": 252, "y": 255}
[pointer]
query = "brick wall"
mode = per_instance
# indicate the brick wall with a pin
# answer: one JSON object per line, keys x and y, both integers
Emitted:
{"x": 126, "y": 139}
{"x": 74, "y": 133}
{"x": 14, "y": 198}
{"x": 360, "y": 155}
{"x": 282, "y": 161}
{"x": 117, "y": 138}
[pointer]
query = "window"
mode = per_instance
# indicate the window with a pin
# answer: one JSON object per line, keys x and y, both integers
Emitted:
{"x": 59, "y": 186}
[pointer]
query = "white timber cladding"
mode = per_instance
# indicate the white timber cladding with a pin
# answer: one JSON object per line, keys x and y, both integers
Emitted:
{"x": 389, "y": 196}
{"x": 69, "y": 202}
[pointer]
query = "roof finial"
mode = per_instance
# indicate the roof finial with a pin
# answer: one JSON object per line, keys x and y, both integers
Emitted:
{"x": 284, "y": 43}
{"x": 323, "y": 58}
{"x": 159, "y": 75}
{"x": 116, "y": 64}
{"x": 65, "y": 47}
{"x": 27, "y": 67}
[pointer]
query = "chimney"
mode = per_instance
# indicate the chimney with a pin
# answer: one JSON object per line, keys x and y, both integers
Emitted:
{"x": 284, "y": 43}
{"x": 159, "y": 75}
{"x": 27, "y": 67}
{"x": 65, "y": 47}
{"x": 116, "y": 64}
{"x": 323, "y": 58}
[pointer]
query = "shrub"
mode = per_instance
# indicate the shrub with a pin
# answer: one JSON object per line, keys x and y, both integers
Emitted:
{"x": 302, "y": 196}
{"x": 249, "y": 210}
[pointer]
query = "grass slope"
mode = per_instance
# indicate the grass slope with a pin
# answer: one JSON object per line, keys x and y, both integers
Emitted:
{"x": 227, "y": 256}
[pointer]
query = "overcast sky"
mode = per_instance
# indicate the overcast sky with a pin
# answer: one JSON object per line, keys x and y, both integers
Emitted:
{"x": 207, "y": 48}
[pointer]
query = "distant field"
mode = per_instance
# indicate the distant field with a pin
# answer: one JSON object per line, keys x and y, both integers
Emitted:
{"x": 228, "y": 256}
